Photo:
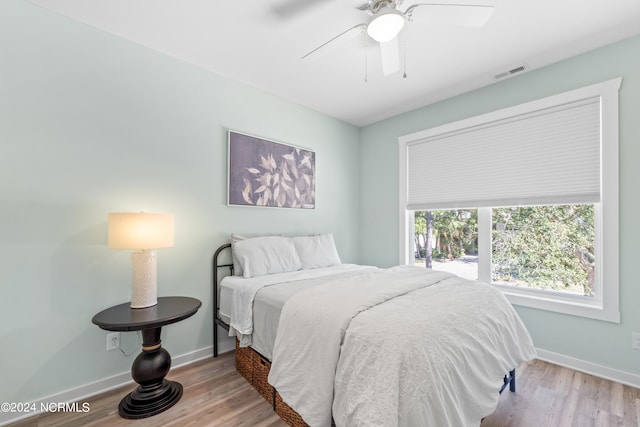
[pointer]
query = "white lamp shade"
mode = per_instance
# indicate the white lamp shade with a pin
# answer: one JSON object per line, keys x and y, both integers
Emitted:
{"x": 140, "y": 231}
{"x": 385, "y": 25}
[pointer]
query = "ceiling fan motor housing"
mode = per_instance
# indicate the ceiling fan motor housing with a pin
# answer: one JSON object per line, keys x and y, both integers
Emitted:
{"x": 386, "y": 23}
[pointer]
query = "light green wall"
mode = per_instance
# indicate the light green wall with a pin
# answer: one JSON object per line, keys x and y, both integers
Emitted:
{"x": 593, "y": 341}
{"x": 91, "y": 123}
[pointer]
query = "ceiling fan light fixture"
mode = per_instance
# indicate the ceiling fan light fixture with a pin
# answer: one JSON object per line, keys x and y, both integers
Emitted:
{"x": 385, "y": 25}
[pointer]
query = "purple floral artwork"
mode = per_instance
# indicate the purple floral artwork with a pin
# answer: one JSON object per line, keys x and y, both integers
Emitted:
{"x": 268, "y": 173}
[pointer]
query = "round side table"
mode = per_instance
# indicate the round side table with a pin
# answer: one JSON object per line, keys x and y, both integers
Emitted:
{"x": 154, "y": 393}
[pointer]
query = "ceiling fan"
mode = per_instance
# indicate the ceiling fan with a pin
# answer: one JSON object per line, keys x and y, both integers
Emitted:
{"x": 388, "y": 17}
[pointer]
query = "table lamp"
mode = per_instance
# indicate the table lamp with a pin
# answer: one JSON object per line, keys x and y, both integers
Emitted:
{"x": 142, "y": 232}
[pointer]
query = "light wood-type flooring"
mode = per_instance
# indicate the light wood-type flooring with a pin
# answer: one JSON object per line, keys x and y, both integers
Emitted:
{"x": 216, "y": 395}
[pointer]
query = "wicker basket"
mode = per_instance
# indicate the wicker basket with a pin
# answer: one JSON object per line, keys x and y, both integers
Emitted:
{"x": 290, "y": 416}
{"x": 261, "y": 368}
{"x": 244, "y": 361}
{"x": 255, "y": 368}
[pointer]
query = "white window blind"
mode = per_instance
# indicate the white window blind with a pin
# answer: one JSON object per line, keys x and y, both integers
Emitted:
{"x": 547, "y": 156}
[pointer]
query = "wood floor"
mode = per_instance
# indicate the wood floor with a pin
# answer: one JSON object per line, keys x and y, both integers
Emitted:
{"x": 549, "y": 395}
{"x": 216, "y": 395}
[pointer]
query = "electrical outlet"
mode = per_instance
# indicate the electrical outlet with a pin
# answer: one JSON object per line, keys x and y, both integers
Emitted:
{"x": 113, "y": 341}
{"x": 635, "y": 340}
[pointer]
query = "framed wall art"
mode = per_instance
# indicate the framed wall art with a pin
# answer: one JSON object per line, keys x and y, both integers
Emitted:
{"x": 269, "y": 173}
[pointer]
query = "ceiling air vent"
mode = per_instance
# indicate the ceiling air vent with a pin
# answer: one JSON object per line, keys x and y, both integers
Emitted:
{"x": 511, "y": 72}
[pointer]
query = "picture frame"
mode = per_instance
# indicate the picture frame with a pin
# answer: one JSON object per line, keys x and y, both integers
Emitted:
{"x": 267, "y": 173}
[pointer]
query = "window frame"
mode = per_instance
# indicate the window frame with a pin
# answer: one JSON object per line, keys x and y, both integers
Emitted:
{"x": 605, "y": 305}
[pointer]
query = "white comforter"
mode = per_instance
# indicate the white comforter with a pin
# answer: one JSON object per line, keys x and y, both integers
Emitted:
{"x": 244, "y": 291}
{"x": 405, "y": 346}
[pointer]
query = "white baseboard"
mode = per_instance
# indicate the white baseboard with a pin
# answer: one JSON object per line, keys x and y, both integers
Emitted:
{"x": 594, "y": 369}
{"x": 83, "y": 392}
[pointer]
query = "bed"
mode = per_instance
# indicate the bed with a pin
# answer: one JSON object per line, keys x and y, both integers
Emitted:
{"x": 328, "y": 343}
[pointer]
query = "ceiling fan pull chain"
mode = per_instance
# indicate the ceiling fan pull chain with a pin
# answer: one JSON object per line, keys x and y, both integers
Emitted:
{"x": 366, "y": 57}
{"x": 404, "y": 42}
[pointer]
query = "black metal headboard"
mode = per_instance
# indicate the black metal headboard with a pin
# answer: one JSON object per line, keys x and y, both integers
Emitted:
{"x": 217, "y": 320}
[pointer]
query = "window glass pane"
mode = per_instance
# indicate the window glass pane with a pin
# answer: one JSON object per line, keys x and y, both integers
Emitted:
{"x": 544, "y": 247}
{"x": 447, "y": 241}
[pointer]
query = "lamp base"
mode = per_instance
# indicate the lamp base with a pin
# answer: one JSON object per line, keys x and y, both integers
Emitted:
{"x": 144, "y": 291}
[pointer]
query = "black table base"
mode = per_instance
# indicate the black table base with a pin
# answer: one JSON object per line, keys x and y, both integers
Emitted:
{"x": 139, "y": 405}
{"x": 154, "y": 394}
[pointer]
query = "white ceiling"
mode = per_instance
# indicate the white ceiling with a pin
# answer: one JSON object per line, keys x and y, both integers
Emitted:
{"x": 260, "y": 42}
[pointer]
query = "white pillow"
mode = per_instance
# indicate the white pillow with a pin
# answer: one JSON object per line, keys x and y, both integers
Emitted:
{"x": 237, "y": 267}
{"x": 316, "y": 251}
{"x": 267, "y": 255}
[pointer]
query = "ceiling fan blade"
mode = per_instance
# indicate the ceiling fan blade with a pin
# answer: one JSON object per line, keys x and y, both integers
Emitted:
{"x": 335, "y": 42}
{"x": 390, "y": 53}
{"x": 450, "y": 14}
{"x": 290, "y": 8}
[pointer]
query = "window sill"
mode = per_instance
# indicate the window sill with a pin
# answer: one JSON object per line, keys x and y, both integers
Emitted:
{"x": 567, "y": 304}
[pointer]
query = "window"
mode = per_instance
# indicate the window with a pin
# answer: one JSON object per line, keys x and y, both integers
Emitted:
{"x": 447, "y": 240}
{"x": 544, "y": 247}
{"x": 540, "y": 169}
{"x": 548, "y": 248}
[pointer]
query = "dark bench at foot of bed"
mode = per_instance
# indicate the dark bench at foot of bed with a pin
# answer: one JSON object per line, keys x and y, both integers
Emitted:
{"x": 509, "y": 379}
